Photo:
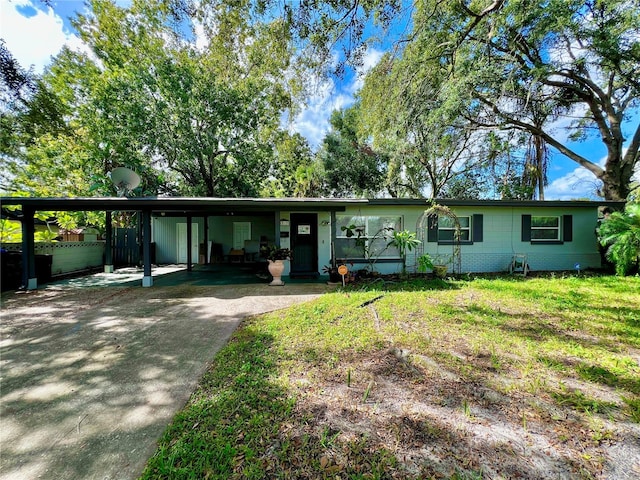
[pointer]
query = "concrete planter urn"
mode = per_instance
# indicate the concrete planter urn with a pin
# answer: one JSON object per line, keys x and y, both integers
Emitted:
{"x": 440, "y": 271}
{"x": 276, "y": 267}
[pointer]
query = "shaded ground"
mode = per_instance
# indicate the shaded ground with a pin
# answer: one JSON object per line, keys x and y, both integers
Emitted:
{"x": 91, "y": 375}
{"x": 506, "y": 378}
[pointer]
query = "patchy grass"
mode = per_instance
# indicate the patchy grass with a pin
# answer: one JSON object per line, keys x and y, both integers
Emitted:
{"x": 477, "y": 378}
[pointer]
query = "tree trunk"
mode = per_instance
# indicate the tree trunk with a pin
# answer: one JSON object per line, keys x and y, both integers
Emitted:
{"x": 616, "y": 180}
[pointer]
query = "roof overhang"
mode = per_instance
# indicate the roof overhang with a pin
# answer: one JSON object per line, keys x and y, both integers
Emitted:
{"x": 221, "y": 206}
{"x": 186, "y": 205}
{"x": 496, "y": 203}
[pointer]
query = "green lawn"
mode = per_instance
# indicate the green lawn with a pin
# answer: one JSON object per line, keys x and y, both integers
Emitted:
{"x": 478, "y": 378}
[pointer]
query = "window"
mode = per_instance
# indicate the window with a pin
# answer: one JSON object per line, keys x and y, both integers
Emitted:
{"x": 545, "y": 228}
{"x": 447, "y": 229}
{"x": 441, "y": 229}
{"x": 371, "y": 234}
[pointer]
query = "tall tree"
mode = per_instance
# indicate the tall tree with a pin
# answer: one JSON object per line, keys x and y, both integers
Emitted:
{"x": 28, "y": 110}
{"x": 428, "y": 142}
{"x": 203, "y": 112}
{"x": 194, "y": 112}
{"x": 351, "y": 167}
{"x": 578, "y": 61}
{"x": 293, "y": 160}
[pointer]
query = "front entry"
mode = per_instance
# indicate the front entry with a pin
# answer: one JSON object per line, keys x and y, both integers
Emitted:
{"x": 304, "y": 244}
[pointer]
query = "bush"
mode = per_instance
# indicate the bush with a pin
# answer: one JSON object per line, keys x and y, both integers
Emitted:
{"x": 620, "y": 235}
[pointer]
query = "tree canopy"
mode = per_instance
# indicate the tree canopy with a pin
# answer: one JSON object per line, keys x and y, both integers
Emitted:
{"x": 194, "y": 113}
{"x": 469, "y": 100}
{"x": 555, "y": 70}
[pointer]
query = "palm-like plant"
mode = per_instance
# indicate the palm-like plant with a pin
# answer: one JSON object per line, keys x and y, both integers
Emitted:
{"x": 620, "y": 234}
{"x": 404, "y": 241}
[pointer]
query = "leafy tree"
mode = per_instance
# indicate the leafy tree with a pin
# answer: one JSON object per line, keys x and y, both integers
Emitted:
{"x": 293, "y": 161}
{"x": 194, "y": 114}
{"x": 351, "y": 167}
{"x": 620, "y": 234}
{"x": 518, "y": 64}
{"x": 428, "y": 141}
{"x": 28, "y": 110}
{"x": 10, "y": 231}
{"x": 309, "y": 180}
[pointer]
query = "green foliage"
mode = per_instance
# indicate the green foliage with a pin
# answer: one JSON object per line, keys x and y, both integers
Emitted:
{"x": 202, "y": 111}
{"x": 255, "y": 413}
{"x": 426, "y": 139}
{"x": 293, "y": 172}
{"x": 350, "y": 166}
{"x": 514, "y": 65}
{"x": 404, "y": 241}
{"x": 425, "y": 262}
{"x": 46, "y": 236}
{"x": 273, "y": 252}
{"x": 10, "y": 231}
{"x": 620, "y": 234}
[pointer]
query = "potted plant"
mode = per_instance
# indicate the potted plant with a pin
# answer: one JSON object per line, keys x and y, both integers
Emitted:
{"x": 425, "y": 262}
{"x": 437, "y": 266}
{"x": 440, "y": 266}
{"x": 332, "y": 271}
{"x": 275, "y": 257}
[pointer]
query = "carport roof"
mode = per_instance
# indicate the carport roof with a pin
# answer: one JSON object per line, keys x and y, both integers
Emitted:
{"x": 178, "y": 204}
{"x": 207, "y": 204}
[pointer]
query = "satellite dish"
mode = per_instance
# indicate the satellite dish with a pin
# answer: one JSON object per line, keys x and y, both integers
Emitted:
{"x": 125, "y": 180}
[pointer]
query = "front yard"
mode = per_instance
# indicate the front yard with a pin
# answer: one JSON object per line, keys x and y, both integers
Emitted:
{"x": 477, "y": 378}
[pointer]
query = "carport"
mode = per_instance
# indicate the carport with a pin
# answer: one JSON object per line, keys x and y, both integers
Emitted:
{"x": 148, "y": 206}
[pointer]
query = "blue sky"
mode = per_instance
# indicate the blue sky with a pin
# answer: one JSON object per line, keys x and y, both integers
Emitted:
{"x": 34, "y": 32}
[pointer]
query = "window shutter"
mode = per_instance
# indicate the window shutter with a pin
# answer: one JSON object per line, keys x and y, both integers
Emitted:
{"x": 526, "y": 228}
{"x": 477, "y": 228}
{"x": 567, "y": 228}
{"x": 432, "y": 228}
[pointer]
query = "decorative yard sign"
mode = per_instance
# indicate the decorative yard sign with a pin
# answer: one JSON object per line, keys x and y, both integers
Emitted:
{"x": 343, "y": 270}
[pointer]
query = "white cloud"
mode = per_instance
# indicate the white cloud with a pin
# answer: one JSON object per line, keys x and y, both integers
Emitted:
{"x": 578, "y": 184}
{"x": 370, "y": 60}
{"x": 201, "y": 38}
{"x": 34, "y": 40}
{"x": 313, "y": 121}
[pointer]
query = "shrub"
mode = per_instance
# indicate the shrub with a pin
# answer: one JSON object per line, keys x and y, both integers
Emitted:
{"x": 620, "y": 235}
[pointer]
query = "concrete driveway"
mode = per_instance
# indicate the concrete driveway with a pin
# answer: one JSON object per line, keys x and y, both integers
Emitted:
{"x": 91, "y": 376}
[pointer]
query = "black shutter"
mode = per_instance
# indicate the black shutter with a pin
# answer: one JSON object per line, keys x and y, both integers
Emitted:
{"x": 477, "y": 228}
{"x": 526, "y": 228}
{"x": 432, "y": 228}
{"x": 567, "y": 228}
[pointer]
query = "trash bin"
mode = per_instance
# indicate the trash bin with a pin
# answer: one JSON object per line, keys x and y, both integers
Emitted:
{"x": 11, "y": 270}
{"x": 43, "y": 268}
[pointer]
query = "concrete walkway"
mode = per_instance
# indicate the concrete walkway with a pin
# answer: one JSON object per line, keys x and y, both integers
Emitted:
{"x": 91, "y": 376}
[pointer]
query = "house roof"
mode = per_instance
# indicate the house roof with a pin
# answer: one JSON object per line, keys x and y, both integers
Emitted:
{"x": 195, "y": 205}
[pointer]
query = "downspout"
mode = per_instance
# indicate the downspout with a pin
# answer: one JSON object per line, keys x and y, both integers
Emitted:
{"x": 108, "y": 243}
{"x": 29, "y": 279}
{"x": 147, "y": 279}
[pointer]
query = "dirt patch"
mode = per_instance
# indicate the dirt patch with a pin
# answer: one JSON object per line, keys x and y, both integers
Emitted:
{"x": 438, "y": 425}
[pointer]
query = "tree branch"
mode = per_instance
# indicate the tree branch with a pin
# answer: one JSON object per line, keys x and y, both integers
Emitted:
{"x": 631, "y": 156}
{"x": 592, "y": 167}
